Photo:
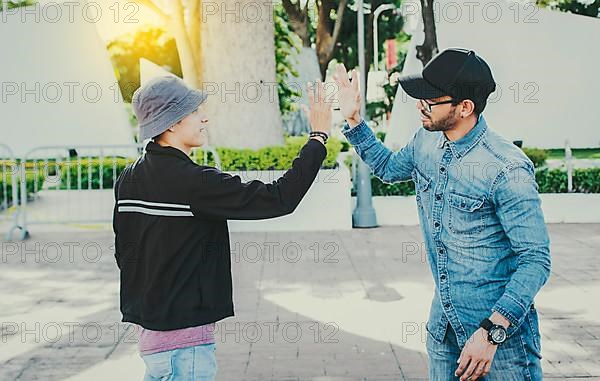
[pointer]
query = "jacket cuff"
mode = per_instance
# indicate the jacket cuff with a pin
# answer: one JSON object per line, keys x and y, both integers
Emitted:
{"x": 318, "y": 146}
{"x": 359, "y": 134}
{"x": 512, "y": 310}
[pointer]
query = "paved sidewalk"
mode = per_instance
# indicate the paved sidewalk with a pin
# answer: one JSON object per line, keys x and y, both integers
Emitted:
{"x": 328, "y": 306}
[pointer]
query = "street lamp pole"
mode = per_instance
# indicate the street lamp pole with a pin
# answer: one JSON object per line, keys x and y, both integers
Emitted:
{"x": 378, "y": 11}
{"x": 363, "y": 215}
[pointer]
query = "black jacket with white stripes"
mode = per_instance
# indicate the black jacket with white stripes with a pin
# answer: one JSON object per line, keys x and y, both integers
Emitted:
{"x": 171, "y": 234}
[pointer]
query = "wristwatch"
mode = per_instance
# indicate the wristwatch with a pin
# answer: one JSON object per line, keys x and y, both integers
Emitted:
{"x": 496, "y": 333}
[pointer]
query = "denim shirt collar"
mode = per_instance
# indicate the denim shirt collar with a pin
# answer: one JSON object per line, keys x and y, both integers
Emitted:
{"x": 463, "y": 145}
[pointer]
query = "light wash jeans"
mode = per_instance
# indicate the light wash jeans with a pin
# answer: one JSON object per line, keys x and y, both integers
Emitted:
{"x": 187, "y": 364}
{"x": 518, "y": 359}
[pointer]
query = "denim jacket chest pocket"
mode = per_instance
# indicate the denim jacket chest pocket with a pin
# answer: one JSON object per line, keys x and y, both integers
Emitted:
{"x": 467, "y": 214}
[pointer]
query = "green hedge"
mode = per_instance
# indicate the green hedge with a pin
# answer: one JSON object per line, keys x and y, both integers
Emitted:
{"x": 90, "y": 168}
{"x": 270, "y": 158}
{"x": 405, "y": 188}
{"x": 537, "y": 156}
{"x": 585, "y": 180}
{"x": 30, "y": 183}
{"x": 345, "y": 146}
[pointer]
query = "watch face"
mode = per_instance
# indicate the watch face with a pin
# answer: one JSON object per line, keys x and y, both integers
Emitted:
{"x": 498, "y": 335}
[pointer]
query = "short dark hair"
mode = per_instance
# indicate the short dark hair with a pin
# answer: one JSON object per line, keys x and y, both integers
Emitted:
{"x": 157, "y": 137}
{"x": 479, "y": 104}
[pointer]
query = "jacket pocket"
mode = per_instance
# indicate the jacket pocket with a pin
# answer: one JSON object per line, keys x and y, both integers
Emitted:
{"x": 466, "y": 214}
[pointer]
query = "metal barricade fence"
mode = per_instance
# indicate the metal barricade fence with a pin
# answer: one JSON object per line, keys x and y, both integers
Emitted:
{"x": 9, "y": 188}
{"x": 74, "y": 184}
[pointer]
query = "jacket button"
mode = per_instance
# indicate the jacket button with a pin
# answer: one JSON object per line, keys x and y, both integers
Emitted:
{"x": 447, "y": 305}
{"x": 441, "y": 251}
{"x": 442, "y": 169}
{"x": 438, "y": 197}
{"x": 443, "y": 277}
{"x": 437, "y": 224}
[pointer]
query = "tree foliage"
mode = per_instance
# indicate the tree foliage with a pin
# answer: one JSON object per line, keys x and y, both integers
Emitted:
{"x": 586, "y": 9}
{"x": 12, "y": 4}
{"x": 389, "y": 27}
{"x": 332, "y": 26}
{"x": 287, "y": 45}
{"x": 152, "y": 43}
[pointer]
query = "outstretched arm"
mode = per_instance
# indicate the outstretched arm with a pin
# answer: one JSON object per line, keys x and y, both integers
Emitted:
{"x": 389, "y": 166}
{"x": 220, "y": 195}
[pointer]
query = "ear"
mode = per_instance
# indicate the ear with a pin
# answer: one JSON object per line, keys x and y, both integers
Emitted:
{"x": 468, "y": 108}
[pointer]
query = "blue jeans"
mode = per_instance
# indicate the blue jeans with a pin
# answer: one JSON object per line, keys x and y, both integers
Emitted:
{"x": 193, "y": 363}
{"x": 518, "y": 359}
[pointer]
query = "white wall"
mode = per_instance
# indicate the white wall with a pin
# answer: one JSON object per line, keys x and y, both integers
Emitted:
{"x": 326, "y": 206}
{"x": 58, "y": 84}
{"x": 551, "y": 57}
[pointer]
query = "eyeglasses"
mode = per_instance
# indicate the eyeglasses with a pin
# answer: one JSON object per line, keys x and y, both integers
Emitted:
{"x": 427, "y": 106}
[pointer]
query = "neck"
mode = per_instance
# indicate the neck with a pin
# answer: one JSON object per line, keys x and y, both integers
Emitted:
{"x": 461, "y": 128}
{"x": 182, "y": 147}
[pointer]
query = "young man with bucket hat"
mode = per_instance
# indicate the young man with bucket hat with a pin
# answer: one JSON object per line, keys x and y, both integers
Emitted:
{"x": 170, "y": 222}
{"x": 479, "y": 211}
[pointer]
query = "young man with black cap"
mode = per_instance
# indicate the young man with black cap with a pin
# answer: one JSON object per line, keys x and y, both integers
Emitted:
{"x": 480, "y": 215}
{"x": 170, "y": 223}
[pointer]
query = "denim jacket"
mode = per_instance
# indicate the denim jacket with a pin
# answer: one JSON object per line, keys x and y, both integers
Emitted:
{"x": 479, "y": 210}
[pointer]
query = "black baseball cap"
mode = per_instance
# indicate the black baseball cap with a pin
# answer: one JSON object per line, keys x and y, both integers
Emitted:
{"x": 459, "y": 73}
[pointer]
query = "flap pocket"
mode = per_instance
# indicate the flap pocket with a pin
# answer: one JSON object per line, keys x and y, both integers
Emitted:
{"x": 466, "y": 214}
{"x": 465, "y": 203}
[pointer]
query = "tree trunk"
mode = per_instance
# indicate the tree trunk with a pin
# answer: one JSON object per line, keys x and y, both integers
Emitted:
{"x": 187, "y": 57}
{"x": 238, "y": 72}
{"x": 192, "y": 22}
{"x": 187, "y": 43}
{"x": 328, "y": 31}
{"x": 298, "y": 19}
{"x": 324, "y": 38}
{"x": 429, "y": 48}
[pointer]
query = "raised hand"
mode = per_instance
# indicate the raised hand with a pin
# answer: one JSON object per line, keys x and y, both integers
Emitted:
{"x": 348, "y": 94}
{"x": 319, "y": 111}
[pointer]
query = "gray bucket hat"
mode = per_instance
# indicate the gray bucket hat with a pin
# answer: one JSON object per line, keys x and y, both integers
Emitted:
{"x": 162, "y": 102}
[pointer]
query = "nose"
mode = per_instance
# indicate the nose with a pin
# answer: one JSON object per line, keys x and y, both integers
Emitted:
{"x": 422, "y": 109}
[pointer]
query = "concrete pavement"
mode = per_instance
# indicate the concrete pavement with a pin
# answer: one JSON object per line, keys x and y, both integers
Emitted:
{"x": 327, "y": 306}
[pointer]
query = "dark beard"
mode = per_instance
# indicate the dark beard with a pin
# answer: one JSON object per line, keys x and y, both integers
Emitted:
{"x": 445, "y": 124}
